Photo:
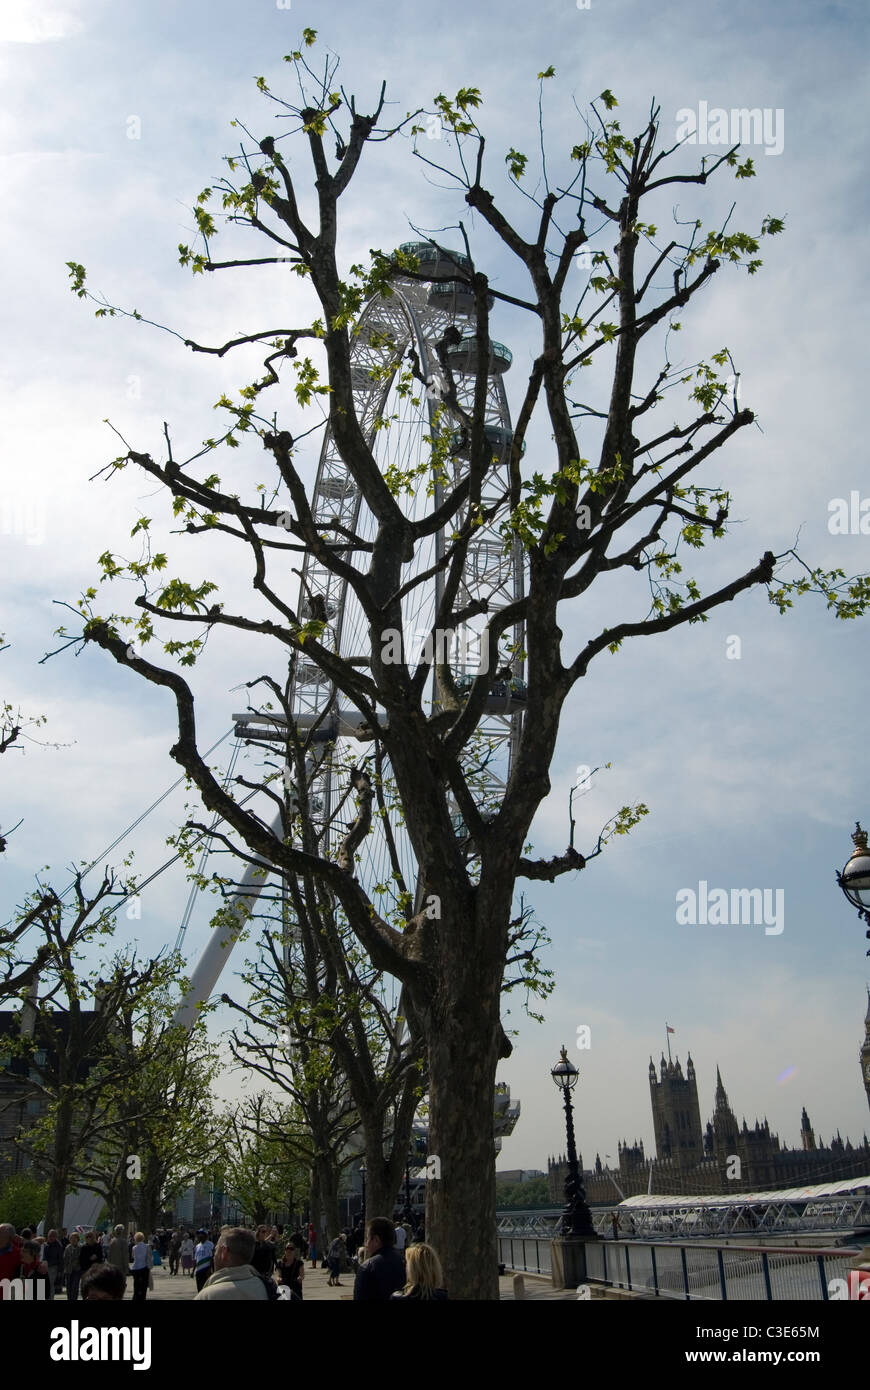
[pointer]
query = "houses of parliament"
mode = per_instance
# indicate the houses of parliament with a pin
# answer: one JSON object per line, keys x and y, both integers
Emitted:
{"x": 695, "y": 1161}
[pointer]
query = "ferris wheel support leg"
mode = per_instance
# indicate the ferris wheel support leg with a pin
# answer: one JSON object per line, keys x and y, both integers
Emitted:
{"x": 217, "y": 949}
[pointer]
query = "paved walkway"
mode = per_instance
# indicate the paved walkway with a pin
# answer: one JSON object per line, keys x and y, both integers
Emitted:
{"x": 181, "y": 1288}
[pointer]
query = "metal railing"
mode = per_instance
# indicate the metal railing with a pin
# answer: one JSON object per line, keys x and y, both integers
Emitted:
{"x": 683, "y": 1270}
{"x": 531, "y": 1254}
{"x": 717, "y": 1272}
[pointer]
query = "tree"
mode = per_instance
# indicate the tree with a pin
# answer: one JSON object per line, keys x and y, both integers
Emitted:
{"x": 321, "y": 1020}
{"x": 315, "y": 1001}
{"x": 636, "y": 508}
{"x": 521, "y": 1195}
{"x": 316, "y": 998}
{"x": 160, "y": 1132}
{"x": 324, "y": 1118}
{"x": 266, "y": 1156}
{"x": 18, "y": 974}
{"x": 22, "y": 1199}
{"x": 88, "y": 1062}
{"x": 14, "y": 728}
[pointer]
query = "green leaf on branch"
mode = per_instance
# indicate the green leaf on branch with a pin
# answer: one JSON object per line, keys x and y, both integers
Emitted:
{"x": 77, "y": 274}
{"x": 516, "y": 163}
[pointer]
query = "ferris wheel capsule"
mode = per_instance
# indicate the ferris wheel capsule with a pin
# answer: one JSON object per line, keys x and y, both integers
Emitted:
{"x": 462, "y": 357}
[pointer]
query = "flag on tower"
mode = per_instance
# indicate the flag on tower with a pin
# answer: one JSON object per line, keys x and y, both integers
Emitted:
{"x": 669, "y": 1028}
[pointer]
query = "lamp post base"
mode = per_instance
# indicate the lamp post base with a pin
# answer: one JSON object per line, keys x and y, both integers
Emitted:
{"x": 568, "y": 1262}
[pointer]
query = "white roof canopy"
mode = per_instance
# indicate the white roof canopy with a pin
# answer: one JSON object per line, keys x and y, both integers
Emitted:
{"x": 651, "y": 1202}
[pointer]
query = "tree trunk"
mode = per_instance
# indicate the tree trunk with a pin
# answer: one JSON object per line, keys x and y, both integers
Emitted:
{"x": 315, "y": 1198}
{"x": 58, "y": 1186}
{"x": 463, "y": 1048}
{"x": 379, "y": 1199}
{"x": 385, "y": 1168}
{"x": 149, "y": 1202}
{"x": 328, "y": 1189}
{"x": 122, "y": 1204}
{"x": 59, "y": 1180}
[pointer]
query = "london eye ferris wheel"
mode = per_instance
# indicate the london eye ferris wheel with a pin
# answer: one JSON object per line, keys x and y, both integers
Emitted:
{"x": 401, "y": 419}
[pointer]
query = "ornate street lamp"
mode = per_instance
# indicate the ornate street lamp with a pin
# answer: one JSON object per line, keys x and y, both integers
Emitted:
{"x": 362, "y": 1172}
{"x": 855, "y": 878}
{"x": 576, "y": 1218}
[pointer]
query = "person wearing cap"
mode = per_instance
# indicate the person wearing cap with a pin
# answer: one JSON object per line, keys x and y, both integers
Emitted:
{"x": 203, "y": 1259}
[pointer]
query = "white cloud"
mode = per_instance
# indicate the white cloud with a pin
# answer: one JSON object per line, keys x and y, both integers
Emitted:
{"x": 27, "y": 21}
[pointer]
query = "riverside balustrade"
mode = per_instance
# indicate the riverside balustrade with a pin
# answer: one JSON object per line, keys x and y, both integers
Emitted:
{"x": 686, "y": 1270}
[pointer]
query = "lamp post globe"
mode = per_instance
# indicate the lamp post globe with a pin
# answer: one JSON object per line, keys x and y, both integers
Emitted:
{"x": 564, "y": 1073}
{"x": 855, "y": 876}
{"x": 576, "y": 1218}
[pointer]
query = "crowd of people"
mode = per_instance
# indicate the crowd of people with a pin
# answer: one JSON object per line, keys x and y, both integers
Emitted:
{"x": 389, "y": 1259}
{"x": 83, "y": 1264}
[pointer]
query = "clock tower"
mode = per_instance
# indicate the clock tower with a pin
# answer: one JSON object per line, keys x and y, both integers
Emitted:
{"x": 865, "y": 1052}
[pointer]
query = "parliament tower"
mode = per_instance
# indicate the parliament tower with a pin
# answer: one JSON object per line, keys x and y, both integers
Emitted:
{"x": 676, "y": 1112}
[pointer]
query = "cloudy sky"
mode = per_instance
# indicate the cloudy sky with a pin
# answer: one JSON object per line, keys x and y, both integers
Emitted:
{"x": 114, "y": 116}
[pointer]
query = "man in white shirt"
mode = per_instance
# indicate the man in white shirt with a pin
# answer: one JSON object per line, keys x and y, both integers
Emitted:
{"x": 202, "y": 1256}
{"x": 234, "y": 1276}
{"x": 401, "y": 1238}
